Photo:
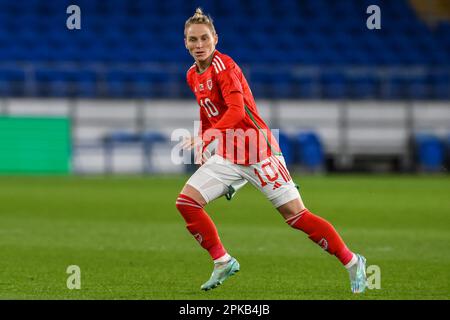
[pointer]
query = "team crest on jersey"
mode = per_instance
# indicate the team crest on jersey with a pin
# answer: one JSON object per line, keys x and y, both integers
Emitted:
{"x": 198, "y": 237}
{"x": 323, "y": 243}
{"x": 209, "y": 84}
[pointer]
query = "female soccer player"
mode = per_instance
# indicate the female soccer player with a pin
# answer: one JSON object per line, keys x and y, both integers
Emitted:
{"x": 245, "y": 150}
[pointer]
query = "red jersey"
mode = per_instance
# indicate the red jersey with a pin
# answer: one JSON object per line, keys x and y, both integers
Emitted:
{"x": 245, "y": 137}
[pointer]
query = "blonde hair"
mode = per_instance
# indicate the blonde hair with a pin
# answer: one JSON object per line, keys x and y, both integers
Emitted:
{"x": 200, "y": 18}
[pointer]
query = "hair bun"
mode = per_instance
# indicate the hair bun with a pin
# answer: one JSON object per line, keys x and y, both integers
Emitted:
{"x": 199, "y": 13}
{"x": 199, "y": 18}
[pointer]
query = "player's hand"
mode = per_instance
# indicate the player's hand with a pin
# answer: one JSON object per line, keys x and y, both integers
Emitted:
{"x": 206, "y": 154}
{"x": 188, "y": 143}
{"x": 195, "y": 143}
{"x": 209, "y": 151}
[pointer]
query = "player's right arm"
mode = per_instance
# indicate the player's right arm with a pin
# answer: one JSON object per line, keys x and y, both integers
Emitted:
{"x": 190, "y": 142}
{"x": 198, "y": 142}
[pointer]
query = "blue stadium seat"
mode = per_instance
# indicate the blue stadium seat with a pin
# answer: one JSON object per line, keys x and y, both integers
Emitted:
{"x": 440, "y": 85}
{"x": 363, "y": 86}
{"x": 304, "y": 86}
{"x": 333, "y": 85}
{"x": 123, "y": 137}
{"x": 429, "y": 152}
{"x": 12, "y": 81}
{"x": 131, "y": 33}
{"x": 310, "y": 150}
{"x": 66, "y": 83}
{"x": 287, "y": 147}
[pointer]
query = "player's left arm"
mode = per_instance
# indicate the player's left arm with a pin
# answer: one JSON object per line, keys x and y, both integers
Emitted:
{"x": 232, "y": 92}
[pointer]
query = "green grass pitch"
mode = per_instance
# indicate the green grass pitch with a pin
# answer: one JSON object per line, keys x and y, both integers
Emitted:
{"x": 130, "y": 242}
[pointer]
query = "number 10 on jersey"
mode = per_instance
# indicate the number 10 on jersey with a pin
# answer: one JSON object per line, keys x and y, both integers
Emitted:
{"x": 209, "y": 107}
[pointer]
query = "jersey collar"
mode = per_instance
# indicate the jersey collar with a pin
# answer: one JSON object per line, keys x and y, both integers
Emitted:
{"x": 213, "y": 55}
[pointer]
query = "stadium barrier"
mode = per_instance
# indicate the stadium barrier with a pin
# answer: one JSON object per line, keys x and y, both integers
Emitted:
{"x": 447, "y": 148}
{"x": 354, "y": 133}
{"x": 146, "y": 141}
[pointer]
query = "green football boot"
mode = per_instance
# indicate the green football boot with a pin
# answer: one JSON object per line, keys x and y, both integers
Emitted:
{"x": 221, "y": 272}
{"x": 358, "y": 278}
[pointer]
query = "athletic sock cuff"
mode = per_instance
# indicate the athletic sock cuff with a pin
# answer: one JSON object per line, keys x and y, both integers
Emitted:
{"x": 352, "y": 262}
{"x": 188, "y": 199}
{"x": 292, "y": 220}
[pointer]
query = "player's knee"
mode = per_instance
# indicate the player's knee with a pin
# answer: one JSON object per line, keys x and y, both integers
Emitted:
{"x": 290, "y": 207}
{"x": 185, "y": 202}
{"x": 193, "y": 194}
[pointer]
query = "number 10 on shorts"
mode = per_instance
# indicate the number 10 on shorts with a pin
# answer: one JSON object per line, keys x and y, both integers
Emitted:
{"x": 273, "y": 175}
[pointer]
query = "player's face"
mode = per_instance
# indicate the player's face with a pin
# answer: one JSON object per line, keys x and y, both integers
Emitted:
{"x": 200, "y": 41}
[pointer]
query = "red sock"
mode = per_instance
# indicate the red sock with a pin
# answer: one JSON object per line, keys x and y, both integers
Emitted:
{"x": 321, "y": 232}
{"x": 200, "y": 226}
